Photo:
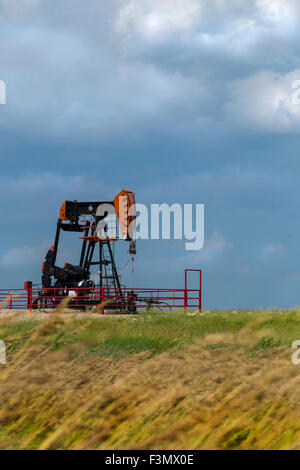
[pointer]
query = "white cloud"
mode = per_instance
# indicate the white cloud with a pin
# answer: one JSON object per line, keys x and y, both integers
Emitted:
{"x": 264, "y": 102}
{"x": 171, "y": 77}
{"x": 278, "y": 11}
{"x": 214, "y": 247}
{"x": 22, "y": 256}
{"x": 274, "y": 249}
{"x": 156, "y": 18}
{"x": 231, "y": 25}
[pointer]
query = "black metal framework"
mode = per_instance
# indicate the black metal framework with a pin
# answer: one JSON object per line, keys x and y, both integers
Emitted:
{"x": 79, "y": 275}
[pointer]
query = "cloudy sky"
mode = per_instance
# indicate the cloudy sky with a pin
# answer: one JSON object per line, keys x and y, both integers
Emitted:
{"x": 187, "y": 101}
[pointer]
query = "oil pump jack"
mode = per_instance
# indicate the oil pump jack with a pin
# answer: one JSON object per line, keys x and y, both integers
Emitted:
{"x": 97, "y": 224}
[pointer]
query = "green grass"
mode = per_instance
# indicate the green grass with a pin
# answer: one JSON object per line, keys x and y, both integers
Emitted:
{"x": 156, "y": 332}
{"x": 176, "y": 380}
{"x": 237, "y": 438}
{"x": 20, "y": 328}
{"x": 16, "y": 333}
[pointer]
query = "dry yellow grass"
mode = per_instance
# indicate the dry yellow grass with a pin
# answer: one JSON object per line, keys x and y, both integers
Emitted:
{"x": 233, "y": 389}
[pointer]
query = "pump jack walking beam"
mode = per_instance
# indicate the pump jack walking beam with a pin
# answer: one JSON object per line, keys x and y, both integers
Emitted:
{"x": 83, "y": 218}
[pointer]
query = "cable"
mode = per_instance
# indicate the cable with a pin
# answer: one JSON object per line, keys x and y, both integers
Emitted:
{"x": 132, "y": 272}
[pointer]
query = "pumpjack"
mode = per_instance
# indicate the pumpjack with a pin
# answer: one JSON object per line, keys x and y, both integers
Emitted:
{"x": 98, "y": 224}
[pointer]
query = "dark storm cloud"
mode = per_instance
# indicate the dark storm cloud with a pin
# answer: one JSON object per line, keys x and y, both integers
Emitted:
{"x": 96, "y": 71}
{"x": 183, "y": 100}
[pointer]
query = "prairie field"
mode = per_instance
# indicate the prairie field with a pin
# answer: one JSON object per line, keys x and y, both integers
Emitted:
{"x": 179, "y": 380}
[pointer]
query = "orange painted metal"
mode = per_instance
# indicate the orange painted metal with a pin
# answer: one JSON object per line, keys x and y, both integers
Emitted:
{"x": 124, "y": 204}
{"x": 62, "y": 212}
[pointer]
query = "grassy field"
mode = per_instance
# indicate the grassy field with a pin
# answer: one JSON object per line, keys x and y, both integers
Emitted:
{"x": 219, "y": 380}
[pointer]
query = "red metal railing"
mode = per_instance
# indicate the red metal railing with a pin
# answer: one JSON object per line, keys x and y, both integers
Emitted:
{"x": 200, "y": 283}
{"x": 107, "y": 298}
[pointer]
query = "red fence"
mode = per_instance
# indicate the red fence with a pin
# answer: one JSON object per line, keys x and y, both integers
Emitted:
{"x": 108, "y": 299}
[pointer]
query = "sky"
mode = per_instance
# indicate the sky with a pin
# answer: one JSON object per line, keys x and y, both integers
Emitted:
{"x": 182, "y": 101}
